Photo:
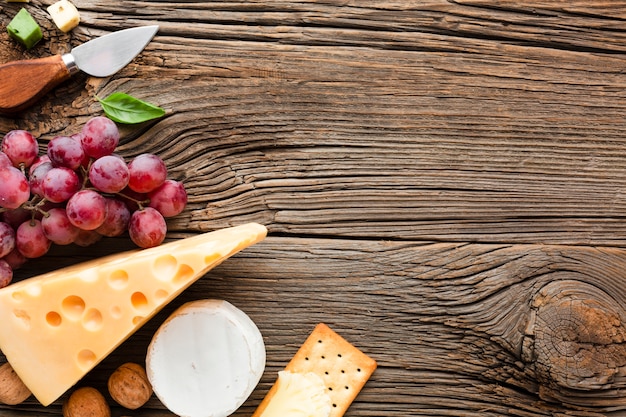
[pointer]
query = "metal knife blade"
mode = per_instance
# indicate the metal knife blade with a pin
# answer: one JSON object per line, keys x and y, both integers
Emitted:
{"x": 23, "y": 82}
{"x": 106, "y": 55}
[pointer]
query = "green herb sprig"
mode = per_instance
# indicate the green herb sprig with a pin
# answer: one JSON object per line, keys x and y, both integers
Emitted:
{"x": 126, "y": 109}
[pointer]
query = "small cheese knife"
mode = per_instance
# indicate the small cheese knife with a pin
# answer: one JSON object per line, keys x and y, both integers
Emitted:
{"x": 24, "y": 82}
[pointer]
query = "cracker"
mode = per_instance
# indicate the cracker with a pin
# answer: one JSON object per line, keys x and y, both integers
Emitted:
{"x": 343, "y": 368}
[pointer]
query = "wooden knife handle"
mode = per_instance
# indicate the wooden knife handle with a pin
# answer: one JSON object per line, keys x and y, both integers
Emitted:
{"x": 24, "y": 82}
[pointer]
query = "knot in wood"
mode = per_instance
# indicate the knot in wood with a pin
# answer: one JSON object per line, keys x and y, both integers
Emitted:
{"x": 575, "y": 337}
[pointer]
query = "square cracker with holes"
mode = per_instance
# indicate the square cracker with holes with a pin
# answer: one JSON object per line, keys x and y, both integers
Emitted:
{"x": 343, "y": 368}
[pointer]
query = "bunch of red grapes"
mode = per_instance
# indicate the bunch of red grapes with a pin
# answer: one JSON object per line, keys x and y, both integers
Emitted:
{"x": 78, "y": 192}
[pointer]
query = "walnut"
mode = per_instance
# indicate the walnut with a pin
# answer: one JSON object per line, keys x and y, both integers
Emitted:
{"x": 86, "y": 402}
{"x": 12, "y": 389}
{"x": 129, "y": 386}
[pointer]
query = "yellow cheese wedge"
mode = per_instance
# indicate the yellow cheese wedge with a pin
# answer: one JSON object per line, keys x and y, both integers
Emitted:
{"x": 64, "y": 14}
{"x": 56, "y": 327}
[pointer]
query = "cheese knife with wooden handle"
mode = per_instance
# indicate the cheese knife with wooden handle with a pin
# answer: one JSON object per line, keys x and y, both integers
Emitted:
{"x": 24, "y": 82}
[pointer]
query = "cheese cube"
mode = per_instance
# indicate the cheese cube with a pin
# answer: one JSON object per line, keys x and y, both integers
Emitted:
{"x": 24, "y": 29}
{"x": 57, "y": 326}
{"x": 64, "y": 14}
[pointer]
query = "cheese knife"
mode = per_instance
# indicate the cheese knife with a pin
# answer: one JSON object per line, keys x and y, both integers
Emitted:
{"x": 24, "y": 82}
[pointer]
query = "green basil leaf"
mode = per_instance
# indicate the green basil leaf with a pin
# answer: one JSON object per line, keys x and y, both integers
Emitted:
{"x": 124, "y": 108}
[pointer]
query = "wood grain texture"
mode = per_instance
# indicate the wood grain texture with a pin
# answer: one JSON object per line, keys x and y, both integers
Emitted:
{"x": 443, "y": 183}
{"x": 462, "y": 138}
{"x": 453, "y": 326}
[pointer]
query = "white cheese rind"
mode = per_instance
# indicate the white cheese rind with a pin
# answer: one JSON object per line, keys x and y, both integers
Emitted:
{"x": 206, "y": 359}
{"x": 56, "y": 327}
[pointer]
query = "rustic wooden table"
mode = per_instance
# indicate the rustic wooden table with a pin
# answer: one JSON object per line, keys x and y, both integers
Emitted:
{"x": 444, "y": 184}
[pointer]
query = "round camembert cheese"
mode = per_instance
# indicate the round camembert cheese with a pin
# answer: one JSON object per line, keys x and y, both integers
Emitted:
{"x": 205, "y": 359}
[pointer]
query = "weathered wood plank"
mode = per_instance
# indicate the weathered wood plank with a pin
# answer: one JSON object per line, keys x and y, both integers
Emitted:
{"x": 462, "y": 138}
{"x": 558, "y": 25}
{"x": 362, "y": 135}
{"x": 453, "y": 326}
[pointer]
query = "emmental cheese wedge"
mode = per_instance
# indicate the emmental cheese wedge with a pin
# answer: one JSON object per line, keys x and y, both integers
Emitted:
{"x": 56, "y": 327}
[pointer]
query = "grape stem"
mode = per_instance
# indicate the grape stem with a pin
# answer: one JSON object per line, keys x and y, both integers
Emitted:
{"x": 140, "y": 203}
{"x": 34, "y": 205}
{"x": 85, "y": 172}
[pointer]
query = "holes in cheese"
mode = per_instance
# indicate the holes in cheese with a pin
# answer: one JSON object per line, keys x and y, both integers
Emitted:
{"x": 72, "y": 307}
{"x": 160, "y": 294}
{"x": 206, "y": 359}
{"x": 140, "y": 302}
{"x": 164, "y": 267}
{"x": 68, "y": 320}
{"x": 86, "y": 359}
{"x": 92, "y": 320}
{"x": 54, "y": 319}
{"x": 116, "y": 312}
{"x": 22, "y": 318}
{"x": 118, "y": 279}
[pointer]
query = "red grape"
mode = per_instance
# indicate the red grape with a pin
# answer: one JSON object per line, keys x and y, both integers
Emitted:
{"x": 79, "y": 138}
{"x": 86, "y": 209}
{"x": 4, "y": 160}
{"x": 147, "y": 172}
{"x": 30, "y": 239}
{"x": 87, "y": 238}
{"x": 16, "y": 216}
{"x": 42, "y": 159}
{"x": 37, "y": 176}
{"x": 99, "y": 136}
{"x": 14, "y": 189}
{"x": 21, "y": 147}
{"x": 147, "y": 228}
{"x": 58, "y": 228}
{"x": 7, "y": 239}
{"x": 6, "y": 273}
{"x": 117, "y": 218}
{"x": 109, "y": 174}
{"x": 78, "y": 191}
{"x": 15, "y": 259}
{"x": 169, "y": 199}
{"x": 65, "y": 151}
{"x": 59, "y": 184}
